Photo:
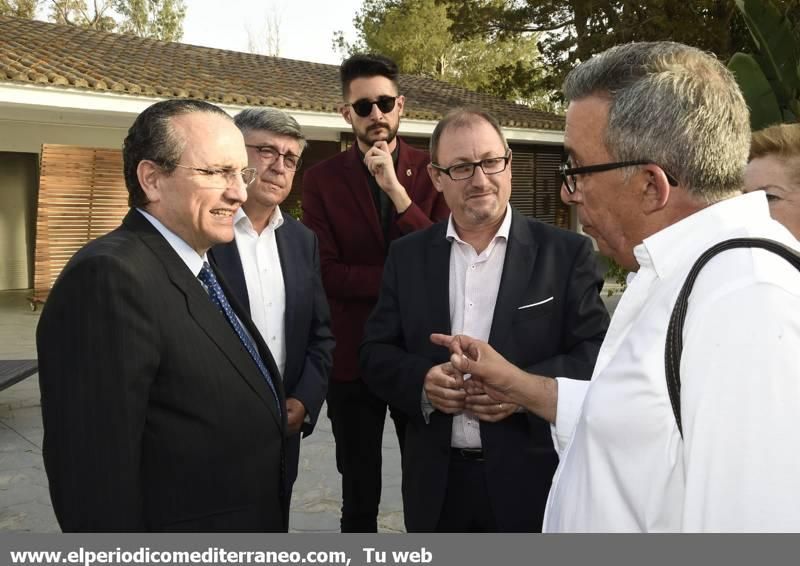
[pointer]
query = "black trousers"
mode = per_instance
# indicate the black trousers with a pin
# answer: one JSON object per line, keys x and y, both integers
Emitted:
{"x": 357, "y": 419}
{"x": 467, "y": 507}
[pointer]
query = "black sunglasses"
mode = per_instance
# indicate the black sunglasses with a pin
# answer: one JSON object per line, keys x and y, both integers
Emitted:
{"x": 363, "y": 106}
{"x": 569, "y": 174}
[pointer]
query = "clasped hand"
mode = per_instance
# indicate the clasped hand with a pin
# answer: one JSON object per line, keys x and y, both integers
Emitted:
{"x": 451, "y": 392}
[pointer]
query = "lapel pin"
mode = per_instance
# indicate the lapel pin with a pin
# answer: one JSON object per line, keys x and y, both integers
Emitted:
{"x": 408, "y": 172}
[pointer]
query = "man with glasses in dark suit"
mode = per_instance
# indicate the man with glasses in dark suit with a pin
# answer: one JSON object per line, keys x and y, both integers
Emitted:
{"x": 163, "y": 409}
{"x": 357, "y": 202}
{"x": 272, "y": 266}
{"x": 473, "y": 464}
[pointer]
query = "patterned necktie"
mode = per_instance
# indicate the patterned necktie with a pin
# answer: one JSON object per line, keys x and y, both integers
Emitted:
{"x": 218, "y": 298}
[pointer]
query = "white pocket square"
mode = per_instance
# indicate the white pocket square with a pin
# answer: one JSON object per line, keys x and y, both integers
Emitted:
{"x": 523, "y": 307}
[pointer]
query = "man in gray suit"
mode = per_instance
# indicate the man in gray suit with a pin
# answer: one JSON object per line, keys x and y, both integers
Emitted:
{"x": 272, "y": 266}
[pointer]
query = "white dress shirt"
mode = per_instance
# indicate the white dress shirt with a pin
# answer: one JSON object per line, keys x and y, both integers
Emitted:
{"x": 190, "y": 257}
{"x": 474, "y": 284}
{"x": 264, "y": 279}
{"x": 624, "y": 466}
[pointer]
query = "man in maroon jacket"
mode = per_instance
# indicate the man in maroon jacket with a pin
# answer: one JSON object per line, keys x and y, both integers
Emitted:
{"x": 357, "y": 202}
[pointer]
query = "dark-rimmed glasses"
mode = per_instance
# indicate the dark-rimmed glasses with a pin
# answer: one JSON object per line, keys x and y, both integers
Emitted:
{"x": 363, "y": 106}
{"x": 223, "y": 178}
{"x": 569, "y": 174}
{"x": 462, "y": 171}
{"x": 270, "y": 155}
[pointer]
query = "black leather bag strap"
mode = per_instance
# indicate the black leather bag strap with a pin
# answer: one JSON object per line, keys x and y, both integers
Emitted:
{"x": 674, "y": 346}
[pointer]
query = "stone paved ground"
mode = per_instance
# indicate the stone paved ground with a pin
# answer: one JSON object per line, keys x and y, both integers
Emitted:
{"x": 24, "y": 497}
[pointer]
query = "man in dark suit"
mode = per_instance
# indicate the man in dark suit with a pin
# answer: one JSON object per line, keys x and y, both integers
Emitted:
{"x": 162, "y": 406}
{"x": 272, "y": 266}
{"x": 357, "y": 202}
{"x": 473, "y": 464}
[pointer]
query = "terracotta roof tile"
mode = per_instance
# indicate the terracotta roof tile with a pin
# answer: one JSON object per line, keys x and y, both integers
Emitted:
{"x": 64, "y": 56}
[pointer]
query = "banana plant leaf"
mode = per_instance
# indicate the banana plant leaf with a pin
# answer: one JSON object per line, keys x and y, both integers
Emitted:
{"x": 778, "y": 47}
{"x": 757, "y": 91}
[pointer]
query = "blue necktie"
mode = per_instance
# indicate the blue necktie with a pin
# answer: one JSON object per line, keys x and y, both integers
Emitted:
{"x": 218, "y": 298}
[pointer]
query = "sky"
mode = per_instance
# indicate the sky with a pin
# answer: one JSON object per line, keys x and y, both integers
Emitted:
{"x": 306, "y": 26}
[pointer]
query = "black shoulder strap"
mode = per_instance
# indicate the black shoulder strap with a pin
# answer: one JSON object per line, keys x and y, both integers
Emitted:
{"x": 674, "y": 345}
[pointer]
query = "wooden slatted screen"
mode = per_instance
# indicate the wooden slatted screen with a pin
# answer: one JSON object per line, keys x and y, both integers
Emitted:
{"x": 548, "y": 206}
{"x": 82, "y": 195}
{"x": 522, "y": 174}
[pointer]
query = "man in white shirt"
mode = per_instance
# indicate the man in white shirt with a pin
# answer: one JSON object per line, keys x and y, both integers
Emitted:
{"x": 473, "y": 464}
{"x": 676, "y": 117}
{"x": 273, "y": 268}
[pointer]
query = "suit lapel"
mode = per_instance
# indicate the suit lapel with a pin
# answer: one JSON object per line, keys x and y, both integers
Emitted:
{"x": 228, "y": 261}
{"x": 406, "y": 167}
{"x": 263, "y": 350}
{"x": 357, "y": 181}
{"x": 521, "y": 253}
{"x": 437, "y": 269}
{"x": 203, "y": 311}
{"x": 287, "y": 249}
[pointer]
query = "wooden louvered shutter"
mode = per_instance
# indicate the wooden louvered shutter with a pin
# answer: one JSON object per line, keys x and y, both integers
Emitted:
{"x": 82, "y": 195}
{"x": 548, "y": 206}
{"x": 522, "y": 180}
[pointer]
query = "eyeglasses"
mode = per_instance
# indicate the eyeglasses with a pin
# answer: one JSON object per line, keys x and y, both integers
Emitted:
{"x": 462, "y": 171}
{"x": 223, "y": 178}
{"x": 363, "y": 106}
{"x": 569, "y": 174}
{"x": 270, "y": 155}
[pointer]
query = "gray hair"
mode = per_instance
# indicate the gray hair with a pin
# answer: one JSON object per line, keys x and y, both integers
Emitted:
{"x": 270, "y": 120}
{"x": 459, "y": 117}
{"x": 674, "y": 105}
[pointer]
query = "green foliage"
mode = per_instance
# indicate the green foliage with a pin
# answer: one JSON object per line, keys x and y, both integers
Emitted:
{"x": 158, "y": 19}
{"x": 416, "y": 34}
{"x": 19, "y": 8}
{"x": 617, "y": 274}
{"x": 77, "y": 13}
{"x": 572, "y": 31}
{"x": 770, "y": 76}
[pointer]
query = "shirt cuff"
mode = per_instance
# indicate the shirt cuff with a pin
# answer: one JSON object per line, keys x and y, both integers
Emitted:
{"x": 571, "y": 393}
{"x": 427, "y": 407}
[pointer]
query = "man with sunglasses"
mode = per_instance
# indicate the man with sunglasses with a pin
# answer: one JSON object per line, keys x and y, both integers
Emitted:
{"x": 163, "y": 409}
{"x": 473, "y": 464}
{"x": 272, "y": 266}
{"x": 357, "y": 202}
{"x": 657, "y": 138}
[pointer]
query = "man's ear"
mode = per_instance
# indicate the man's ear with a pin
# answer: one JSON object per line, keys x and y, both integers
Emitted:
{"x": 149, "y": 175}
{"x": 345, "y": 110}
{"x": 401, "y": 104}
{"x": 656, "y": 189}
{"x": 434, "y": 174}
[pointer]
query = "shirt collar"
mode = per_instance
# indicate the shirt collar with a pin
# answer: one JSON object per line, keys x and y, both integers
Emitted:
{"x": 241, "y": 220}
{"x": 189, "y": 256}
{"x": 669, "y": 248}
{"x": 502, "y": 231}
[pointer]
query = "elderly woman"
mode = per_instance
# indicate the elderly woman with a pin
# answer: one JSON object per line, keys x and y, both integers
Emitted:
{"x": 775, "y": 168}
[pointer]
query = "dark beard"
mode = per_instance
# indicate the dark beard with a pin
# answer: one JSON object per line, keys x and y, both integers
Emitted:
{"x": 392, "y": 133}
